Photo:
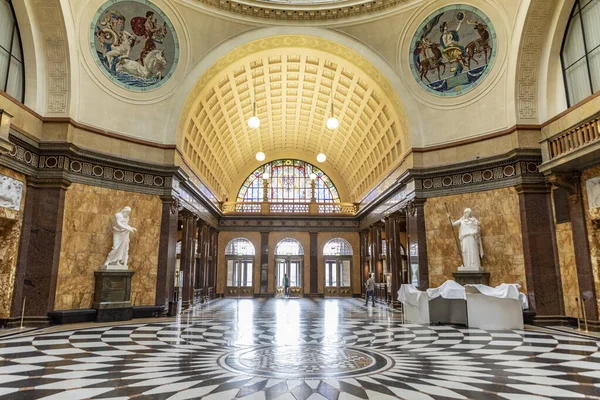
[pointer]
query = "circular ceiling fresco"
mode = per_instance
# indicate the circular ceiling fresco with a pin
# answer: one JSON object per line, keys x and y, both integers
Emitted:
{"x": 134, "y": 44}
{"x": 453, "y": 50}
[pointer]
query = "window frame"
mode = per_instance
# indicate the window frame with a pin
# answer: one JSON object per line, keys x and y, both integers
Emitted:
{"x": 576, "y": 13}
{"x": 16, "y": 29}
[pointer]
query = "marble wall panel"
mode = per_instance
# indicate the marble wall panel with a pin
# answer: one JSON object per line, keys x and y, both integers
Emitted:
{"x": 498, "y": 212}
{"x": 568, "y": 267}
{"x": 10, "y": 234}
{"x": 87, "y": 240}
{"x": 593, "y": 229}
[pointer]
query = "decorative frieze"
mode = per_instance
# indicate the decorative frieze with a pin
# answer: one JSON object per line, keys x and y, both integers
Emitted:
{"x": 295, "y": 224}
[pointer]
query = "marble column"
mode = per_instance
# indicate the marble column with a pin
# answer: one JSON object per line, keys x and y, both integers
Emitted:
{"x": 167, "y": 253}
{"x": 377, "y": 250}
{"x": 188, "y": 257}
{"x": 364, "y": 260}
{"x": 214, "y": 237}
{"x": 264, "y": 263}
{"x": 542, "y": 269}
{"x": 417, "y": 240}
{"x": 205, "y": 259}
{"x": 395, "y": 224}
{"x": 314, "y": 260}
{"x": 39, "y": 249}
{"x": 583, "y": 256}
{"x": 199, "y": 280}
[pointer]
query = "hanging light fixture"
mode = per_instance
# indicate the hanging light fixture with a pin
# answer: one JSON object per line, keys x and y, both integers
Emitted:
{"x": 260, "y": 156}
{"x": 265, "y": 176}
{"x": 254, "y": 122}
{"x": 332, "y": 122}
{"x": 313, "y": 176}
{"x": 321, "y": 157}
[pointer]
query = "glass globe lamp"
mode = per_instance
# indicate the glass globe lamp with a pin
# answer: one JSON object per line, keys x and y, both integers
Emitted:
{"x": 321, "y": 157}
{"x": 260, "y": 156}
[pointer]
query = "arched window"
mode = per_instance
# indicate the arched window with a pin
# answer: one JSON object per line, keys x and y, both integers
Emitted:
{"x": 580, "y": 53}
{"x": 239, "y": 247}
{"x": 12, "y": 70}
{"x": 289, "y": 182}
{"x": 337, "y": 247}
{"x": 289, "y": 247}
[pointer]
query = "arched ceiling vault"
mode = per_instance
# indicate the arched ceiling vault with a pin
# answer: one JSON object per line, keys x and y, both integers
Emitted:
{"x": 294, "y": 80}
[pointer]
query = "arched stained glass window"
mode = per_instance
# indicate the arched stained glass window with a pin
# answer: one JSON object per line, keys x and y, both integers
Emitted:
{"x": 289, "y": 247}
{"x": 12, "y": 71}
{"x": 337, "y": 247}
{"x": 239, "y": 247}
{"x": 580, "y": 53}
{"x": 289, "y": 182}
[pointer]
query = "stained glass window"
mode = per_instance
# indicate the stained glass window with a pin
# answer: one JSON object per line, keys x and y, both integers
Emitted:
{"x": 289, "y": 182}
{"x": 337, "y": 247}
{"x": 239, "y": 247}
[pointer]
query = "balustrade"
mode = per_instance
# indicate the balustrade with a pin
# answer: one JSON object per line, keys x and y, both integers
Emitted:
{"x": 288, "y": 208}
{"x": 574, "y": 137}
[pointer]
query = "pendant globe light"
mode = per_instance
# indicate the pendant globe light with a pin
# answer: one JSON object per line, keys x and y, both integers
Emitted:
{"x": 332, "y": 122}
{"x": 254, "y": 122}
{"x": 260, "y": 156}
{"x": 321, "y": 157}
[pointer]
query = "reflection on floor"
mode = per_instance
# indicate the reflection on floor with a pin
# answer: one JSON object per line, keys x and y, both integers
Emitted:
{"x": 296, "y": 349}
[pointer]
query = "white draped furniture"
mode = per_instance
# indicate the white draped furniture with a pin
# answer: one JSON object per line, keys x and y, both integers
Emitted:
{"x": 478, "y": 306}
{"x": 495, "y": 308}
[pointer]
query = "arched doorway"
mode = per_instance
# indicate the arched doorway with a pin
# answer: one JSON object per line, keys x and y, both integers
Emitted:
{"x": 289, "y": 256}
{"x": 239, "y": 255}
{"x": 337, "y": 256}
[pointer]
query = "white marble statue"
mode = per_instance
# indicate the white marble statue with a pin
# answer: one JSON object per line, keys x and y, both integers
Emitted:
{"x": 118, "y": 256}
{"x": 11, "y": 192}
{"x": 593, "y": 192}
{"x": 469, "y": 234}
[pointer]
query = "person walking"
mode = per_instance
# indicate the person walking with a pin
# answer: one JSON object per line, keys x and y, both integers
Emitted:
{"x": 286, "y": 286}
{"x": 370, "y": 284}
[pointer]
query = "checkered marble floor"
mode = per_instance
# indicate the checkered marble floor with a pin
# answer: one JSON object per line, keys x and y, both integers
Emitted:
{"x": 296, "y": 349}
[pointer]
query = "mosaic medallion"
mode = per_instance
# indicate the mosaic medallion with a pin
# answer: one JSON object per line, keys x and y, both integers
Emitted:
{"x": 308, "y": 361}
{"x": 453, "y": 50}
{"x": 134, "y": 44}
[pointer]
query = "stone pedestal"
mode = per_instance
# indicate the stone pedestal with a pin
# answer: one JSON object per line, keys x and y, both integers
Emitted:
{"x": 472, "y": 277}
{"x": 112, "y": 296}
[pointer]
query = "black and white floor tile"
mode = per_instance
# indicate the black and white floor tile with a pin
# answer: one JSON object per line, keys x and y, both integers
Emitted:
{"x": 297, "y": 349}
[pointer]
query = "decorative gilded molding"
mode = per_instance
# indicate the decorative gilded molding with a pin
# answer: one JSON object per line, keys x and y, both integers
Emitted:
{"x": 288, "y": 224}
{"x": 52, "y": 24}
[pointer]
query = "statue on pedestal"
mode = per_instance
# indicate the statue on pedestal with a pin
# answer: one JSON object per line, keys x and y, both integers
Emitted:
{"x": 469, "y": 234}
{"x": 119, "y": 255}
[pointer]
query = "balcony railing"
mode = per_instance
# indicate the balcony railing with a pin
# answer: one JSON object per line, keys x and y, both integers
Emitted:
{"x": 289, "y": 208}
{"x": 574, "y": 138}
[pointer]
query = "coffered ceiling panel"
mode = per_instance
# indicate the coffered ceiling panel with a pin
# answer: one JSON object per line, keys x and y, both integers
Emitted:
{"x": 294, "y": 87}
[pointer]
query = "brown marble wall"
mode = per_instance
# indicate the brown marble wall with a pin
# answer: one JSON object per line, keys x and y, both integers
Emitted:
{"x": 87, "y": 240}
{"x": 568, "y": 267}
{"x": 593, "y": 229}
{"x": 498, "y": 212}
{"x": 224, "y": 238}
{"x": 10, "y": 233}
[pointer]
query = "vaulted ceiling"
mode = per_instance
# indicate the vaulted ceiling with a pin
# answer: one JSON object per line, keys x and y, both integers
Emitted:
{"x": 293, "y": 80}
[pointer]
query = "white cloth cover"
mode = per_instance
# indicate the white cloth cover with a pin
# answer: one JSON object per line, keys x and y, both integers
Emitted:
{"x": 408, "y": 294}
{"x": 447, "y": 290}
{"x": 502, "y": 291}
{"x": 416, "y": 304}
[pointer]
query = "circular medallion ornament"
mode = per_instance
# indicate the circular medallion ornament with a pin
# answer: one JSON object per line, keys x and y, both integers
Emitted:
{"x": 134, "y": 44}
{"x": 453, "y": 50}
{"x": 305, "y": 361}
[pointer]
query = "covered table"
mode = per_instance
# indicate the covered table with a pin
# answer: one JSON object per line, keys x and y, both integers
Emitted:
{"x": 495, "y": 308}
{"x": 447, "y": 304}
{"x": 416, "y": 304}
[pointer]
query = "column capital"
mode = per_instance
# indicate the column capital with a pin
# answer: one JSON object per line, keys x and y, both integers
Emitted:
{"x": 568, "y": 181}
